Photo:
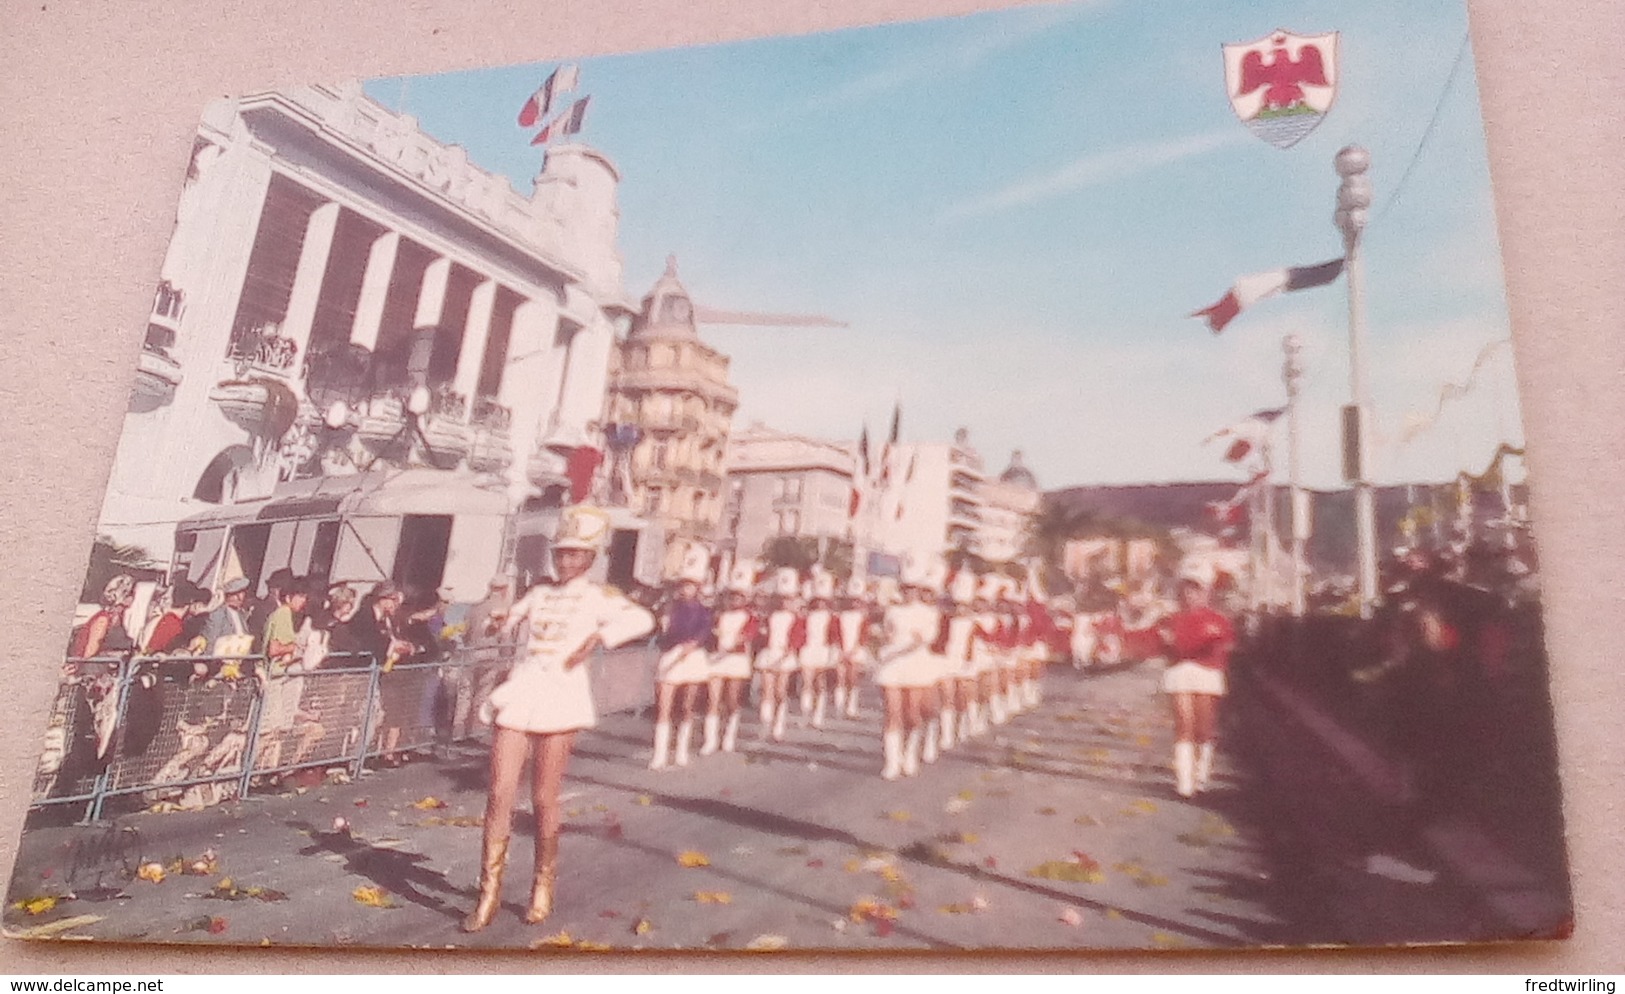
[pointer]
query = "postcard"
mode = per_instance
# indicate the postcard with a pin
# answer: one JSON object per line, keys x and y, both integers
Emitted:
{"x": 1043, "y": 480}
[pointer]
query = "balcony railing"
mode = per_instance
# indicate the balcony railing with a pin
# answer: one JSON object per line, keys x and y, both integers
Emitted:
{"x": 262, "y": 348}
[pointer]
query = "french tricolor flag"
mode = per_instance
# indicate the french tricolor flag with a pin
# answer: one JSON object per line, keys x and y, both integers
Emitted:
{"x": 567, "y": 123}
{"x": 1249, "y": 290}
{"x": 561, "y": 80}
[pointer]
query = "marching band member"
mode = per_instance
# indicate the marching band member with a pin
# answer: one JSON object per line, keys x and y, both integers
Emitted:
{"x": 545, "y": 700}
{"x": 737, "y": 631}
{"x": 958, "y": 629}
{"x": 1199, "y": 639}
{"x": 929, "y": 685}
{"x": 684, "y": 665}
{"x": 855, "y": 624}
{"x": 818, "y": 656}
{"x": 1007, "y": 646}
{"x": 910, "y": 625}
{"x": 1039, "y": 634}
{"x": 985, "y": 653}
{"x": 786, "y": 632}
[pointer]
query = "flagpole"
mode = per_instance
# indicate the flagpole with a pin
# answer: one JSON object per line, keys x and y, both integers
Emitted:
{"x": 1353, "y": 201}
{"x": 1292, "y": 373}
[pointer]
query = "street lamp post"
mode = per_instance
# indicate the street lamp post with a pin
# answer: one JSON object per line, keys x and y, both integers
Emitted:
{"x": 1292, "y": 373}
{"x": 1353, "y": 202}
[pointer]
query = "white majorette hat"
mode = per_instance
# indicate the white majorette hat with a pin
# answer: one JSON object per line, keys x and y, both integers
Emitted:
{"x": 823, "y": 586}
{"x": 1197, "y": 572}
{"x": 742, "y": 577}
{"x": 696, "y": 565}
{"x": 786, "y": 582}
{"x": 963, "y": 587}
{"x": 582, "y": 527}
{"x": 856, "y": 588}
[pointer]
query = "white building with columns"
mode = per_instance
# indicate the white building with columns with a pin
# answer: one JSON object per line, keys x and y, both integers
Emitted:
{"x": 343, "y": 294}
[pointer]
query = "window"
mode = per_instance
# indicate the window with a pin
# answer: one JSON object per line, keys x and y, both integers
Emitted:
{"x": 792, "y": 489}
{"x": 662, "y": 454}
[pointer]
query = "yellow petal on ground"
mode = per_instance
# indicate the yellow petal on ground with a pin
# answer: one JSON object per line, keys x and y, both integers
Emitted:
{"x": 692, "y": 859}
{"x": 767, "y": 943}
{"x": 373, "y": 897}
{"x": 589, "y": 946}
{"x": 151, "y": 872}
{"x": 1163, "y": 940}
{"x": 37, "y": 905}
{"x": 645, "y": 800}
{"x": 429, "y": 803}
{"x": 642, "y": 927}
{"x": 1114, "y": 914}
{"x": 1067, "y": 870}
{"x": 1143, "y": 805}
{"x": 57, "y": 927}
{"x": 966, "y": 795}
{"x": 898, "y": 815}
{"x": 713, "y": 897}
{"x": 560, "y": 940}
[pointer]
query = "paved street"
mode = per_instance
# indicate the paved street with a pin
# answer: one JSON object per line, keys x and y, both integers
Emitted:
{"x": 1058, "y": 830}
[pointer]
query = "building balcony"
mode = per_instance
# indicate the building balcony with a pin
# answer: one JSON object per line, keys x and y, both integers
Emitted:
{"x": 490, "y": 447}
{"x": 157, "y": 374}
{"x": 547, "y": 468}
{"x": 676, "y": 379}
{"x": 382, "y": 420}
{"x": 262, "y": 350}
{"x": 168, "y": 307}
{"x": 964, "y": 514}
{"x": 260, "y": 406}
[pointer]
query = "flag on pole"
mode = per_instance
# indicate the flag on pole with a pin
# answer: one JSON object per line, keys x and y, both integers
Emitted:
{"x": 567, "y": 123}
{"x": 561, "y": 80}
{"x": 1253, "y": 288}
{"x": 1246, "y": 435}
{"x": 863, "y": 451}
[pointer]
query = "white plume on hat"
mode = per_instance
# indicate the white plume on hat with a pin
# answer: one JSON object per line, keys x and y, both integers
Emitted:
{"x": 1197, "y": 572}
{"x": 696, "y": 564}
{"x": 582, "y": 527}
{"x": 742, "y": 577}
{"x": 823, "y": 585}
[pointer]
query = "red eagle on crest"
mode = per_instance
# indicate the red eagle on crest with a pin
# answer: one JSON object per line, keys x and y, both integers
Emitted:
{"x": 1282, "y": 76}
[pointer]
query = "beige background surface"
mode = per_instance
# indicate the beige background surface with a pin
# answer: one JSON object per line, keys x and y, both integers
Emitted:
{"x": 99, "y": 104}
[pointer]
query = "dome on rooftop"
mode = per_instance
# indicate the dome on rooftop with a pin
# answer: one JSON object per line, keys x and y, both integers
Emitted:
{"x": 1018, "y": 473}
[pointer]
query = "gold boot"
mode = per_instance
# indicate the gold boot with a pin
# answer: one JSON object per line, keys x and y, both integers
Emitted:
{"x": 547, "y": 872}
{"x": 493, "y": 858}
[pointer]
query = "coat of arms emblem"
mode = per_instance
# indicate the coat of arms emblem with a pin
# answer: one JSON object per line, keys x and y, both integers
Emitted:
{"x": 1282, "y": 85}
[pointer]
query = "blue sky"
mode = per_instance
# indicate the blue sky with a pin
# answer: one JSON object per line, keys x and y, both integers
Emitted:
{"x": 1016, "y": 211}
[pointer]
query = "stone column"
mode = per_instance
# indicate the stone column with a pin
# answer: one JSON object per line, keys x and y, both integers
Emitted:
{"x": 426, "y": 320}
{"x": 471, "y": 357}
{"x": 369, "y": 308}
{"x": 308, "y": 277}
{"x": 529, "y": 385}
{"x": 586, "y": 375}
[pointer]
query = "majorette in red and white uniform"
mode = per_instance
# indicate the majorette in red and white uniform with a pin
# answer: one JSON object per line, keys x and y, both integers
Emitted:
{"x": 955, "y": 637}
{"x": 821, "y": 652}
{"x": 785, "y": 632}
{"x": 853, "y": 624}
{"x": 736, "y": 635}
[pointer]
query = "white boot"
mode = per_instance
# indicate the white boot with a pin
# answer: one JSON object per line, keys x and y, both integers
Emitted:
{"x": 996, "y": 705}
{"x": 840, "y": 699}
{"x": 950, "y": 724}
{"x": 685, "y": 732}
{"x": 712, "y": 723}
{"x": 911, "y": 753}
{"x": 819, "y": 703}
{"x": 1185, "y": 768}
{"x": 781, "y": 720}
{"x": 766, "y": 713}
{"x": 928, "y": 752}
{"x": 1204, "y": 765}
{"x": 978, "y": 721}
{"x": 967, "y": 724}
{"x": 1030, "y": 691}
{"x": 806, "y": 697}
{"x": 730, "y": 738}
{"x": 1012, "y": 699}
{"x": 852, "y": 703}
{"x": 662, "y": 745}
{"x": 892, "y": 747}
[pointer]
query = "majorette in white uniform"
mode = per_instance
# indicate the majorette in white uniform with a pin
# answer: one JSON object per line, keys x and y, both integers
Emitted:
{"x": 685, "y": 635}
{"x": 540, "y": 695}
{"x": 960, "y": 710}
{"x": 737, "y": 628}
{"x": 784, "y": 628}
{"x": 906, "y": 659}
{"x": 821, "y": 649}
{"x": 855, "y": 654}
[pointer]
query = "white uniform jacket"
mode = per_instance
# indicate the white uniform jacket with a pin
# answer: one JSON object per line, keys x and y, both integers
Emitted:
{"x": 540, "y": 695}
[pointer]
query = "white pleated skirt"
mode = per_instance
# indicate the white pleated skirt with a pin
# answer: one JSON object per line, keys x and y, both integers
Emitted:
{"x": 1189, "y": 677}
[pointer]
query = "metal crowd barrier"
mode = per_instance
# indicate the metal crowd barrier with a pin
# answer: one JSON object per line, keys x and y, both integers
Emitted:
{"x": 196, "y": 730}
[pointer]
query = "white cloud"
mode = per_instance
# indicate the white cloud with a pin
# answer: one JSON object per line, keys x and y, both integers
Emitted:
{"x": 1094, "y": 169}
{"x": 963, "y": 54}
